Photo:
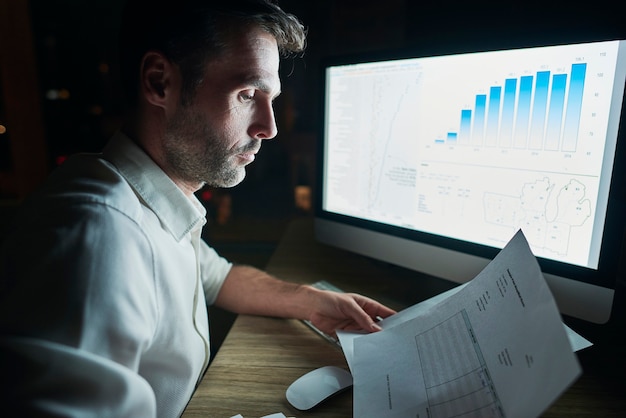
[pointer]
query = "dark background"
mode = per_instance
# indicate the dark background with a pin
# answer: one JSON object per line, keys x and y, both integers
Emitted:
{"x": 74, "y": 47}
{"x": 59, "y": 90}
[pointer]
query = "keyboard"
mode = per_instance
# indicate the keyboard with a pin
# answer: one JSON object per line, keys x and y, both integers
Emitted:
{"x": 324, "y": 285}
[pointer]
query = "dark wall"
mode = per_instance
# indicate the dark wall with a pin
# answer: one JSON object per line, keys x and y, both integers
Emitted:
{"x": 76, "y": 47}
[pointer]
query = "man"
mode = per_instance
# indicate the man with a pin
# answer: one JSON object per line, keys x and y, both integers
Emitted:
{"x": 105, "y": 280}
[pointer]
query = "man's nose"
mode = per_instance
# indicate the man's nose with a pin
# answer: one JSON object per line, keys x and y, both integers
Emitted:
{"x": 264, "y": 124}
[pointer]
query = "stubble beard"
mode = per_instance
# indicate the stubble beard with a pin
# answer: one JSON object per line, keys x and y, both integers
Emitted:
{"x": 195, "y": 153}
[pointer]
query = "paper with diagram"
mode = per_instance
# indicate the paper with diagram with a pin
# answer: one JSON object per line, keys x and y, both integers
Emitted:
{"x": 495, "y": 348}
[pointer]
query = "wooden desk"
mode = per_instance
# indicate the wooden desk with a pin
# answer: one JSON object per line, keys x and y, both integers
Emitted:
{"x": 262, "y": 356}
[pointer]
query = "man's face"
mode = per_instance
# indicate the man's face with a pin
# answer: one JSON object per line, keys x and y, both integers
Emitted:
{"x": 213, "y": 138}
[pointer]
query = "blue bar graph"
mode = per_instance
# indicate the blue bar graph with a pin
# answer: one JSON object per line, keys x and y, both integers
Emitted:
{"x": 479, "y": 119}
{"x": 555, "y": 112}
{"x": 466, "y": 126}
{"x": 540, "y": 106}
{"x": 574, "y": 106}
{"x": 523, "y": 112}
{"x": 508, "y": 112}
{"x": 538, "y": 112}
{"x": 493, "y": 115}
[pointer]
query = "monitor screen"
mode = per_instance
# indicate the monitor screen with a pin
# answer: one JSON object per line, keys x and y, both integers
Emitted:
{"x": 434, "y": 162}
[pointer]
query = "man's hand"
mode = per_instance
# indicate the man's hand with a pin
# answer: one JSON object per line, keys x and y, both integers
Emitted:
{"x": 248, "y": 290}
{"x": 331, "y": 311}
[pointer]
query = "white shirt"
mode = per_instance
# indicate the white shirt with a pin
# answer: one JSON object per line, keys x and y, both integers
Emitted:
{"x": 103, "y": 291}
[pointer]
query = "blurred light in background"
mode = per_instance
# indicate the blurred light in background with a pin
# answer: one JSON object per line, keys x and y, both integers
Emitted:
{"x": 58, "y": 94}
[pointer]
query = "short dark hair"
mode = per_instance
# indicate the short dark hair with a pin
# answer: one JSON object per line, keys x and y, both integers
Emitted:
{"x": 190, "y": 32}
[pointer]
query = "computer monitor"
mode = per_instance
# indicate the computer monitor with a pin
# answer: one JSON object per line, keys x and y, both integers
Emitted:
{"x": 434, "y": 162}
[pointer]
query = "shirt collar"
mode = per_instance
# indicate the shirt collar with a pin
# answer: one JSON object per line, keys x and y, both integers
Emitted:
{"x": 178, "y": 213}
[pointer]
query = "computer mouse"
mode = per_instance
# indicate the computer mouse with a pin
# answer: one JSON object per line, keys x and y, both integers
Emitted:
{"x": 317, "y": 385}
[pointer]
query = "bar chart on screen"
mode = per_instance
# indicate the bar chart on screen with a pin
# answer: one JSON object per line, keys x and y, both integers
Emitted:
{"x": 548, "y": 99}
{"x": 540, "y": 111}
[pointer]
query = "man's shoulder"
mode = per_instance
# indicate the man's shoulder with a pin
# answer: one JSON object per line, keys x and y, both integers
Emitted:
{"x": 87, "y": 180}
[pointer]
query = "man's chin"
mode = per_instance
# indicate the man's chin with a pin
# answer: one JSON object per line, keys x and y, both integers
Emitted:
{"x": 231, "y": 181}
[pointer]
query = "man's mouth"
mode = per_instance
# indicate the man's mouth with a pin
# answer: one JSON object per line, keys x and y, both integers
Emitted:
{"x": 246, "y": 157}
{"x": 248, "y": 153}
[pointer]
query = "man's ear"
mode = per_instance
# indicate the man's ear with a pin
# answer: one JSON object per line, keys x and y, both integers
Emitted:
{"x": 158, "y": 79}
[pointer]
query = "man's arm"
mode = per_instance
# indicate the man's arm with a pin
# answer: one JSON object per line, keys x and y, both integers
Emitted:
{"x": 248, "y": 290}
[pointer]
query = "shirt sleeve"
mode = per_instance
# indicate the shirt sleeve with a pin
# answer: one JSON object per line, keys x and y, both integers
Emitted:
{"x": 214, "y": 270}
{"x": 60, "y": 377}
{"x": 79, "y": 290}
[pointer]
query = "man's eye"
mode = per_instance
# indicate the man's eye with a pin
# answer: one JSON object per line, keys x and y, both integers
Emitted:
{"x": 247, "y": 95}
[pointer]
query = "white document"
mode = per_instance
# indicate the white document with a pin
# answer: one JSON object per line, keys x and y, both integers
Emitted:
{"x": 495, "y": 347}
